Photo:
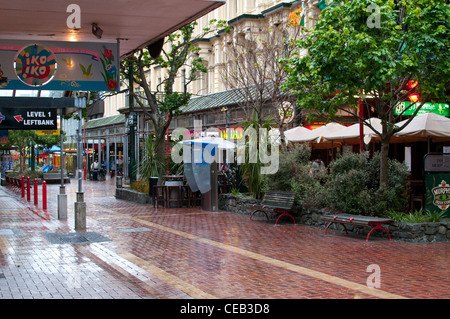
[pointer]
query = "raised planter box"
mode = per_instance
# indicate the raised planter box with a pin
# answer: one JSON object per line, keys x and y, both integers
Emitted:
{"x": 134, "y": 196}
{"x": 409, "y": 232}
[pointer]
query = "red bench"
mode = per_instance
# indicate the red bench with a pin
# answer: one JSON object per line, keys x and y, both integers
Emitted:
{"x": 16, "y": 183}
{"x": 356, "y": 220}
{"x": 277, "y": 202}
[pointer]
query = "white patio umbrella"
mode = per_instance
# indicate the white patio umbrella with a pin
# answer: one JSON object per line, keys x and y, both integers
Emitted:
{"x": 422, "y": 127}
{"x": 351, "y": 134}
{"x": 317, "y": 134}
{"x": 296, "y": 133}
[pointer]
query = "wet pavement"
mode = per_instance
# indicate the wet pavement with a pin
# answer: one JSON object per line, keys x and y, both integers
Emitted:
{"x": 134, "y": 251}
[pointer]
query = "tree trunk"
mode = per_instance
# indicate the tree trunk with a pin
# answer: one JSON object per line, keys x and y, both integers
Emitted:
{"x": 161, "y": 150}
{"x": 384, "y": 162}
{"x": 283, "y": 140}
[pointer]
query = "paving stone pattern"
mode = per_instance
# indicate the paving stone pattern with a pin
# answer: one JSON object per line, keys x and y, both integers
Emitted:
{"x": 135, "y": 251}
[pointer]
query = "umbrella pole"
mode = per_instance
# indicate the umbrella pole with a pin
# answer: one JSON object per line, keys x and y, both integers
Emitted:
{"x": 332, "y": 151}
{"x": 361, "y": 127}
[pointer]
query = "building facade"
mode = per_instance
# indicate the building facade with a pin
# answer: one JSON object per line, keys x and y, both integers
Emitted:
{"x": 213, "y": 101}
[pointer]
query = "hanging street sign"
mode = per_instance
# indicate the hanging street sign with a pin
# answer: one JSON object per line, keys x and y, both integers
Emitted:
{"x": 28, "y": 119}
{"x": 56, "y": 65}
{"x": 48, "y": 132}
{"x": 405, "y": 108}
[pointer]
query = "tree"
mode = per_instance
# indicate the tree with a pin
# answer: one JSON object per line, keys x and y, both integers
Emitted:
{"x": 255, "y": 74}
{"x": 374, "y": 50}
{"x": 160, "y": 106}
{"x": 47, "y": 141}
{"x": 21, "y": 139}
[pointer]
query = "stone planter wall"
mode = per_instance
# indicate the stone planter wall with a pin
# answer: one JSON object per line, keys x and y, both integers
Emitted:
{"x": 409, "y": 232}
{"x": 132, "y": 195}
{"x": 235, "y": 204}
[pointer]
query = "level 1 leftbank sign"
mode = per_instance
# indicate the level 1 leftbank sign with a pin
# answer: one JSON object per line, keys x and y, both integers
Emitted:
{"x": 28, "y": 119}
{"x": 51, "y": 65}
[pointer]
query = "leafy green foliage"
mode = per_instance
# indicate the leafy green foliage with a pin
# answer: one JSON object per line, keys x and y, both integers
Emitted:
{"x": 21, "y": 139}
{"x": 435, "y": 216}
{"x": 346, "y": 56}
{"x": 161, "y": 105}
{"x": 348, "y": 59}
{"x": 415, "y": 217}
{"x": 294, "y": 174}
{"x": 251, "y": 172}
{"x": 353, "y": 185}
{"x": 153, "y": 164}
{"x": 140, "y": 186}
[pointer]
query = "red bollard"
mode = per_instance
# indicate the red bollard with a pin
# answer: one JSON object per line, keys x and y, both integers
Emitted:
{"x": 35, "y": 191}
{"x": 23, "y": 186}
{"x": 44, "y": 195}
{"x": 28, "y": 189}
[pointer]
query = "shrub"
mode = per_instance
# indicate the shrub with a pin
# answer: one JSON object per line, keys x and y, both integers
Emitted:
{"x": 140, "y": 186}
{"x": 435, "y": 216}
{"x": 27, "y": 173}
{"x": 415, "y": 217}
{"x": 294, "y": 175}
{"x": 353, "y": 185}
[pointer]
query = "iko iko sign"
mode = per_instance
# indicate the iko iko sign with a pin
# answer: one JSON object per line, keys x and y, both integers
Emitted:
{"x": 52, "y": 65}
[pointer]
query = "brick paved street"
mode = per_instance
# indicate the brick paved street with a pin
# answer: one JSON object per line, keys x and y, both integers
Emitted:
{"x": 133, "y": 251}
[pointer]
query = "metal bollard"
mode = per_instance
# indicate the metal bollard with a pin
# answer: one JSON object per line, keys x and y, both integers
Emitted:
{"x": 28, "y": 189}
{"x": 44, "y": 195}
{"x": 35, "y": 191}
{"x": 23, "y": 186}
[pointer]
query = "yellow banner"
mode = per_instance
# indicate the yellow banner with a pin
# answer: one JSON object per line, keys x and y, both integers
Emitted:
{"x": 48, "y": 132}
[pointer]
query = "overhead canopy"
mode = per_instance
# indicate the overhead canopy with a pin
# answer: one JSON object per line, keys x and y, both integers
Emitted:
{"x": 54, "y": 148}
{"x": 422, "y": 127}
{"x": 136, "y": 23}
{"x": 213, "y": 140}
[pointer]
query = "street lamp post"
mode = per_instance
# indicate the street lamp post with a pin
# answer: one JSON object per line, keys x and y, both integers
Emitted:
{"x": 131, "y": 118}
{"x": 80, "y": 205}
{"x": 62, "y": 196}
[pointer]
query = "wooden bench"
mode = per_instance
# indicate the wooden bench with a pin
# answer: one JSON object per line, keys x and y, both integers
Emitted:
{"x": 277, "y": 202}
{"x": 356, "y": 220}
{"x": 55, "y": 177}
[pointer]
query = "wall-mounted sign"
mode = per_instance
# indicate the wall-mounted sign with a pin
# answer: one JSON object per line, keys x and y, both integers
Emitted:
{"x": 286, "y": 112}
{"x": 441, "y": 195}
{"x": 232, "y": 133}
{"x": 437, "y": 183}
{"x": 50, "y": 65}
{"x": 28, "y": 119}
{"x": 438, "y": 193}
{"x": 438, "y": 108}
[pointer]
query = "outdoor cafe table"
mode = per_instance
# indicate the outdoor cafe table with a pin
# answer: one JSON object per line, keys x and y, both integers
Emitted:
{"x": 173, "y": 177}
{"x": 172, "y": 191}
